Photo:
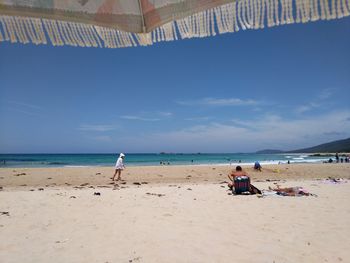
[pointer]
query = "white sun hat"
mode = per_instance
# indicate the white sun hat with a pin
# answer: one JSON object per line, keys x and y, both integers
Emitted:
{"x": 122, "y": 155}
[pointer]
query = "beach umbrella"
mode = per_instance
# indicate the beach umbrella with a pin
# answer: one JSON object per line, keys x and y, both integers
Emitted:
{"x": 126, "y": 23}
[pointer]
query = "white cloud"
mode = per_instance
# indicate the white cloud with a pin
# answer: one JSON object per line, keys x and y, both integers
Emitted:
{"x": 205, "y": 118}
{"x": 145, "y": 116}
{"x": 26, "y": 105}
{"x": 165, "y": 114}
{"x": 270, "y": 131}
{"x": 307, "y": 107}
{"x": 326, "y": 93}
{"x": 25, "y": 108}
{"x": 220, "y": 102}
{"x": 138, "y": 118}
{"x": 97, "y": 128}
{"x": 26, "y": 112}
{"x": 317, "y": 102}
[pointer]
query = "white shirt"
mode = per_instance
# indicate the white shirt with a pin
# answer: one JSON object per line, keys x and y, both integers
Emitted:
{"x": 119, "y": 164}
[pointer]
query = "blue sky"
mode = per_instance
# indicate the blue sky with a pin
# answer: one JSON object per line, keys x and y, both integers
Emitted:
{"x": 286, "y": 87}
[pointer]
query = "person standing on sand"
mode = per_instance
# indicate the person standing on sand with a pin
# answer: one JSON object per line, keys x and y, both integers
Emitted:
{"x": 119, "y": 166}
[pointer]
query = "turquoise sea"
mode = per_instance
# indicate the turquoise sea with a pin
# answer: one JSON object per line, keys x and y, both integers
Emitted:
{"x": 72, "y": 160}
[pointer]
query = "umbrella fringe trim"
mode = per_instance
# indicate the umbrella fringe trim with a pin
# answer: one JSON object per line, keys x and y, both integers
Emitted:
{"x": 244, "y": 14}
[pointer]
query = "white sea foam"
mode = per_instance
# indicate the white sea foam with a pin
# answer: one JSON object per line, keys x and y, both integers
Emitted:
{"x": 77, "y": 166}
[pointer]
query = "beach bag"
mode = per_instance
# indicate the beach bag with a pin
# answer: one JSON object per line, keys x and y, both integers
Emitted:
{"x": 241, "y": 184}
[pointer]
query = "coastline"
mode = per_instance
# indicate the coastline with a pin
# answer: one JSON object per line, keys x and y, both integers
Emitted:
{"x": 153, "y": 159}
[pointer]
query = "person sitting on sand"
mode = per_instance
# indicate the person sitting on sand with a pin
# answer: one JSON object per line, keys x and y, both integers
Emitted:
{"x": 240, "y": 176}
{"x": 119, "y": 166}
{"x": 238, "y": 173}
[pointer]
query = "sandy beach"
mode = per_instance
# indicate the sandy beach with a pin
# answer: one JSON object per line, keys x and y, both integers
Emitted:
{"x": 172, "y": 214}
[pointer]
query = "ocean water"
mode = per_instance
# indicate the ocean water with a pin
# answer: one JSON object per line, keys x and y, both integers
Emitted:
{"x": 77, "y": 160}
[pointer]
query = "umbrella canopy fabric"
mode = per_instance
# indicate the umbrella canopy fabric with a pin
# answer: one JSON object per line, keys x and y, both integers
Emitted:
{"x": 125, "y": 23}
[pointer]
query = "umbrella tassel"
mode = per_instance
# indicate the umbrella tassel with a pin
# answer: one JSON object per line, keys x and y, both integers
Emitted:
{"x": 346, "y": 7}
{"x": 262, "y": 13}
{"x": 219, "y": 20}
{"x": 282, "y": 14}
{"x": 240, "y": 16}
{"x": 64, "y": 34}
{"x": 314, "y": 10}
{"x": 20, "y": 30}
{"x": 69, "y": 33}
{"x": 333, "y": 12}
{"x": 10, "y": 30}
{"x": 84, "y": 35}
{"x": 29, "y": 29}
{"x": 231, "y": 17}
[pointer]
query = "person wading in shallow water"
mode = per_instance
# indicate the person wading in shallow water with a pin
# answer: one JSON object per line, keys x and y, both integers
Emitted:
{"x": 119, "y": 166}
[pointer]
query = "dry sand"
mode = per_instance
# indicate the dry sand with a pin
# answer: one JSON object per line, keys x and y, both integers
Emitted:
{"x": 182, "y": 214}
